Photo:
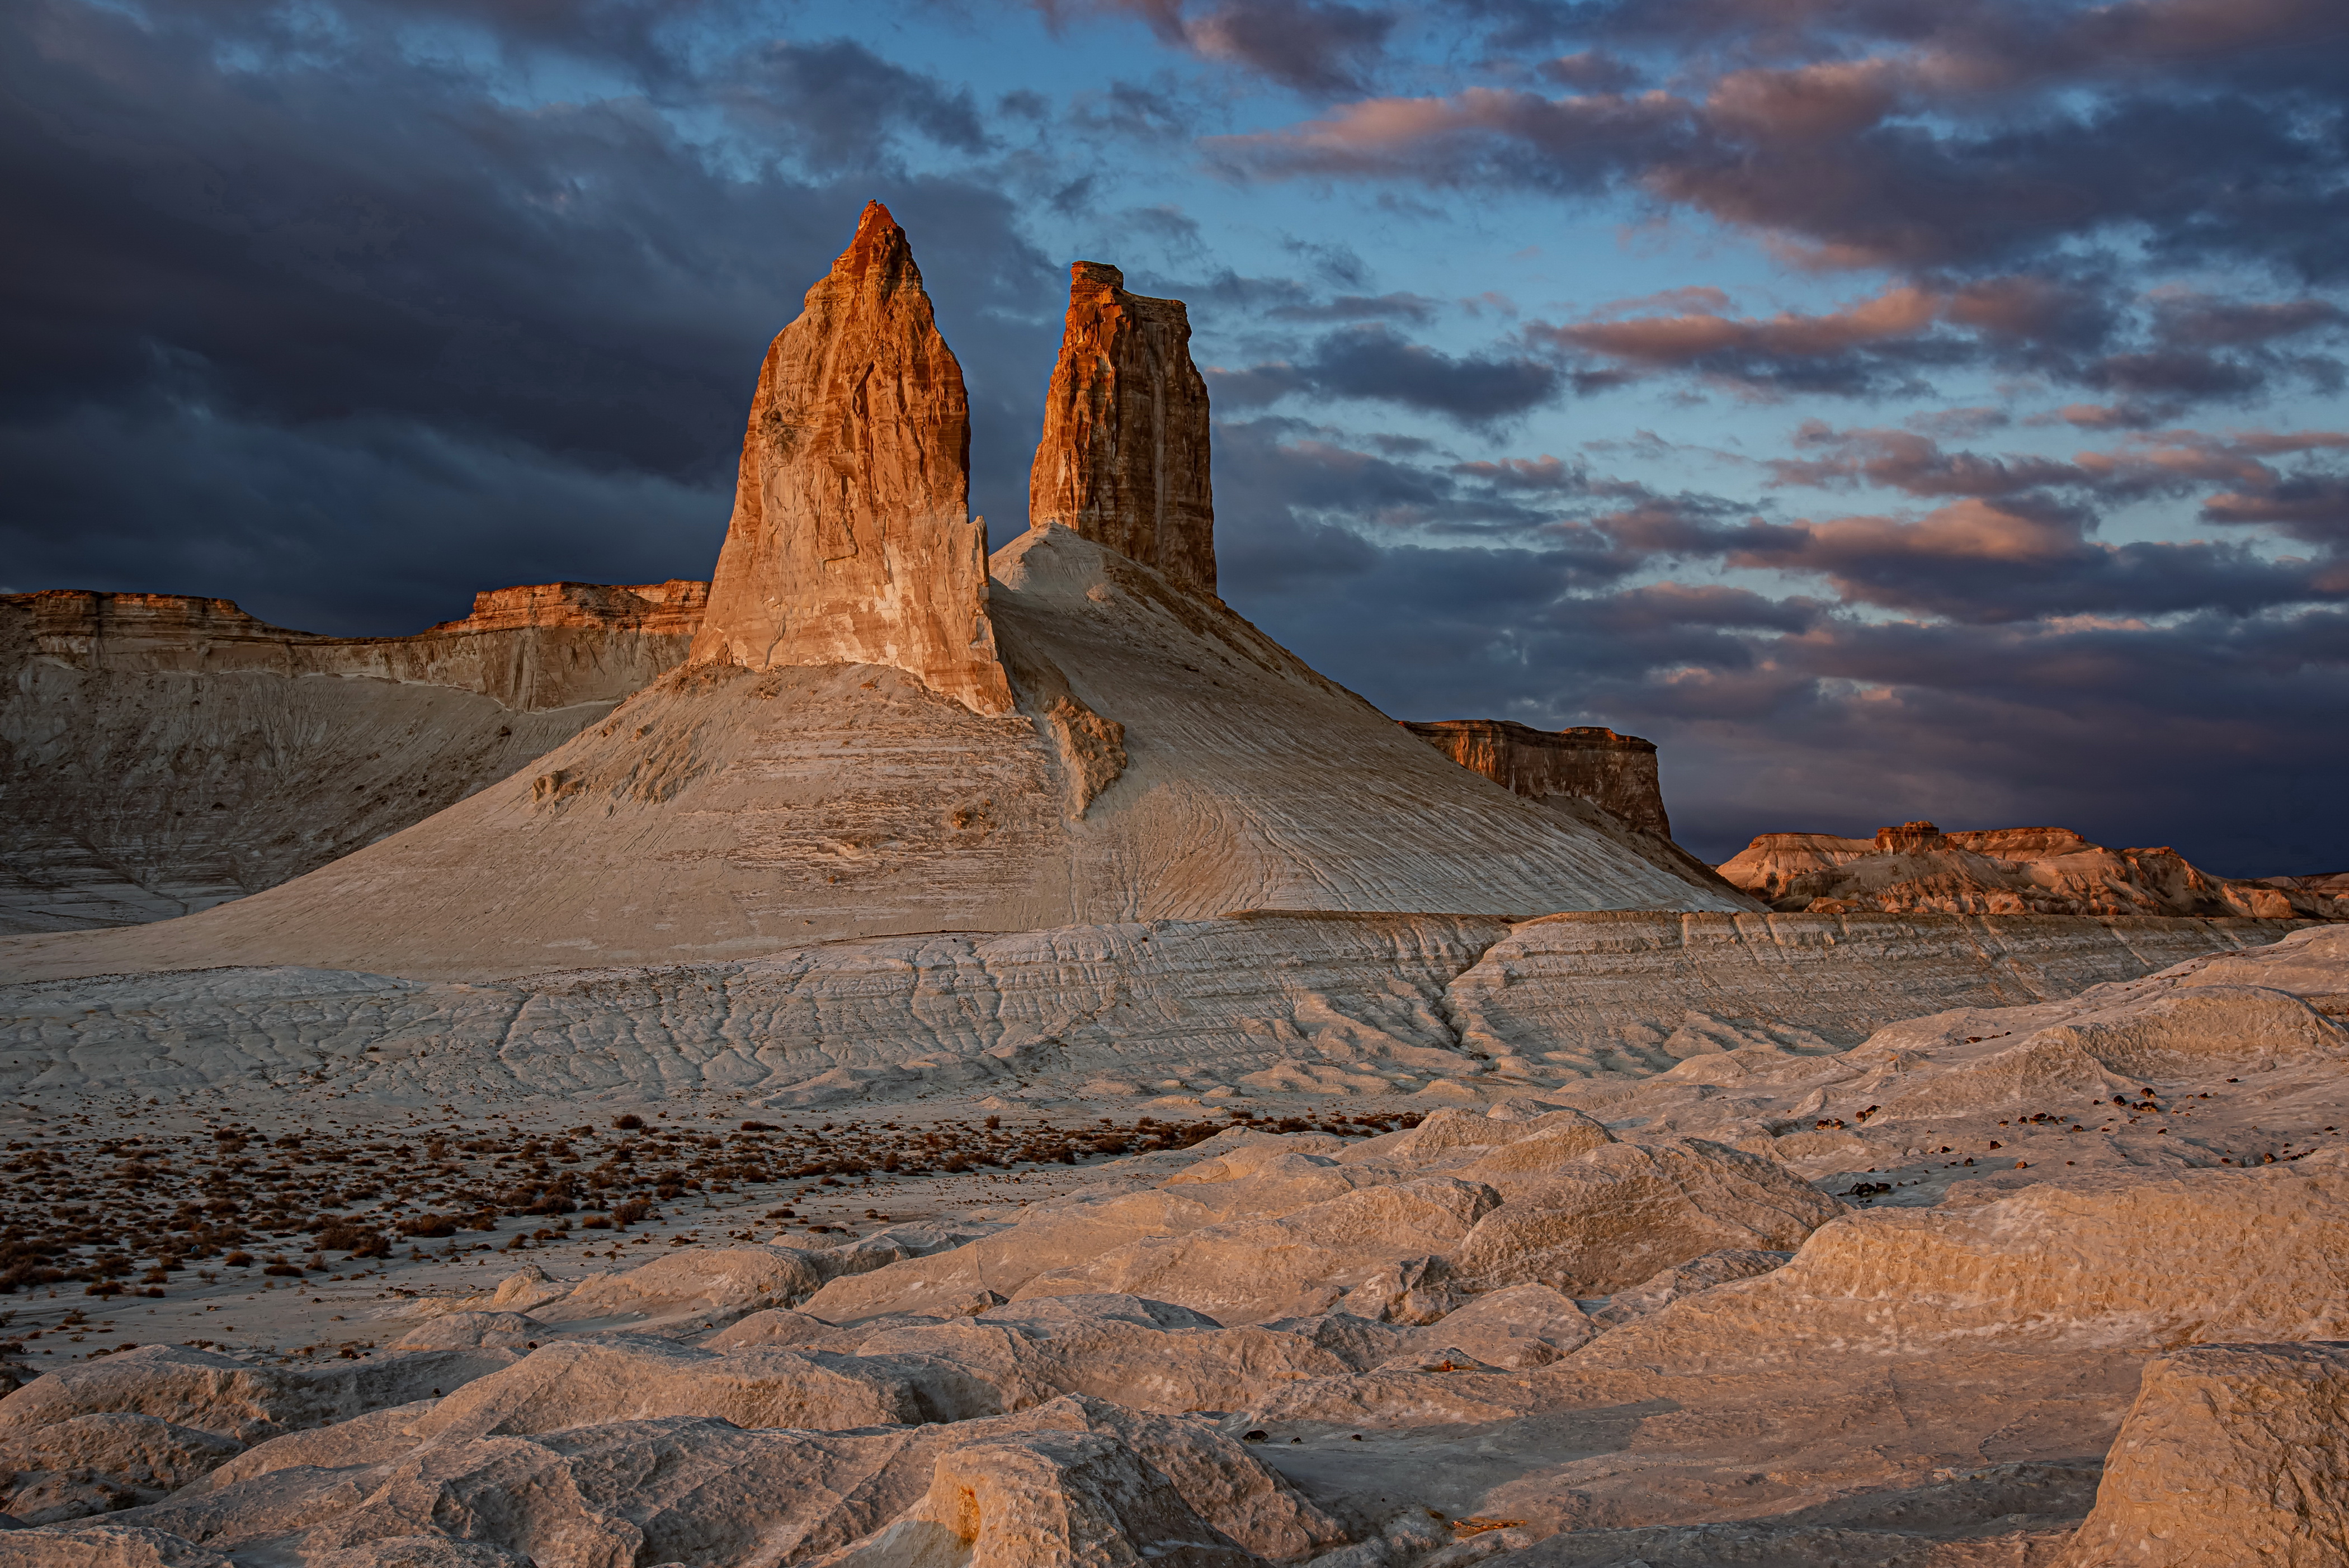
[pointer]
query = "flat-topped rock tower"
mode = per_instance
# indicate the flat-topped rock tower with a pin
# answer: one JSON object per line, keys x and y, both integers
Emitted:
{"x": 1124, "y": 459}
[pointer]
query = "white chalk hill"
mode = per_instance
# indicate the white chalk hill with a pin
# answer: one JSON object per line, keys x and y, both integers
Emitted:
{"x": 835, "y": 763}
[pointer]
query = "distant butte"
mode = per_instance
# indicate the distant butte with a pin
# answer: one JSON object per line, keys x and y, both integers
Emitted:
{"x": 1589, "y": 774}
{"x": 1916, "y": 867}
{"x": 1614, "y": 772}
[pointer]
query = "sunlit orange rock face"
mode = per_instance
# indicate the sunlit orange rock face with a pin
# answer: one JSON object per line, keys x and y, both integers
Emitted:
{"x": 2002, "y": 870}
{"x": 852, "y": 540}
{"x": 1123, "y": 460}
{"x": 1614, "y": 772}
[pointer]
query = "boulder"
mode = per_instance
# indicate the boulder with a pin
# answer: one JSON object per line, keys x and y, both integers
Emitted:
{"x": 1076, "y": 1498}
{"x": 1523, "y": 1325}
{"x": 1061, "y": 1237}
{"x": 2233, "y": 1454}
{"x": 100, "y": 1463}
{"x": 2108, "y": 1260}
{"x": 2205, "y": 1032}
{"x": 1288, "y": 1265}
{"x": 1144, "y": 1355}
{"x": 1669, "y": 1285}
{"x": 228, "y": 1398}
{"x": 629, "y": 1378}
{"x": 1616, "y": 1215}
{"x": 684, "y": 1489}
{"x": 475, "y": 1331}
{"x": 708, "y": 1286}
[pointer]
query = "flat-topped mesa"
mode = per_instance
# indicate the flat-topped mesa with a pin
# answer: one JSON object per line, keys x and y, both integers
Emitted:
{"x": 1614, "y": 772}
{"x": 1910, "y": 838}
{"x": 1123, "y": 460}
{"x": 1916, "y": 867}
{"x": 852, "y": 540}
{"x": 656, "y": 608}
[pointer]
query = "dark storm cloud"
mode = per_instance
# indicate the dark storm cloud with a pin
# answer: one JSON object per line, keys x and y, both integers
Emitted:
{"x": 332, "y": 241}
{"x": 832, "y": 103}
{"x": 2131, "y": 731}
{"x": 367, "y": 523}
{"x": 1375, "y": 363}
{"x": 1274, "y": 467}
{"x": 1415, "y": 308}
{"x": 2310, "y": 506}
{"x": 1312, "y": 45}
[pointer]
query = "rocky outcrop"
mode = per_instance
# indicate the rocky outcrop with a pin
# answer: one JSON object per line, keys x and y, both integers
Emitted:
{"x": 747, "y": 811}
{"x": 1443, "y": 1006}
{"x": 1588, "y": 774}
{"x": 2233, "y": 1453}
{"x": 530, "y": 649}
{"x": 2003, "y": 871}
{"x": 1617, "y": 773}
{"x": 2329, "y": 889}
{"x": 1356, "y": 1345}
{"x": 161, "y": 753}
{"x": 1123, "y": 460}
{"x": 851, "y": 540}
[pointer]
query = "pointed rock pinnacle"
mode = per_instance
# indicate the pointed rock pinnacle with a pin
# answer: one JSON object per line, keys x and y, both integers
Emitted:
{"x": 852, "y": 540}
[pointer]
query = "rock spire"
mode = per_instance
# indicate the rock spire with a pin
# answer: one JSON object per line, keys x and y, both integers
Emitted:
{"x": 1123, "y": 460}
{"x": 852, "y": 540}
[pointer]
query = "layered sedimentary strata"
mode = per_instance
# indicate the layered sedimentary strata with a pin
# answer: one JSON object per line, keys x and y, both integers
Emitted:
{"x": 2232, "y": 1453}
{"x": 1588, "y": 774}
{"x": 851, "y": 540}
{"x": 726, "y": 812}
{"x": 2329, "y": 889}
{"x": 1751, "y": 1308}
{"x": 161, "y": 754}
{"x": 1123, "y": 460}
{"x": 530, "y": 649}
{"x": 1614, "y": 772}
{"x": 1452, "y": 1007}
{"x": 2046, "y": 870}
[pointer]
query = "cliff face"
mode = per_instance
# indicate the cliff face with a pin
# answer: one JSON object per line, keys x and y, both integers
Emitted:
{"x": 530, "y": 649}
{"x": 161, "y": 754}
{"x": 1592, "y": 776}
{"x": 1123, "y": 460}
{"x": 1916, "y": 867}
{"x": 2329, "y": 889}
{"x": 852, "y": 540}
{"x": 1615, "y": 773}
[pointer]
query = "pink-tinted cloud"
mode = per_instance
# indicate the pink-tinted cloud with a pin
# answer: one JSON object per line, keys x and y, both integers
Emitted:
{"x": 1905, "y": 460}
{"x": 1692, "y": 336}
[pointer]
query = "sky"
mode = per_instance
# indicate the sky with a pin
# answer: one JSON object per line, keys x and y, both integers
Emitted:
{"x": 1893, "y": 409}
